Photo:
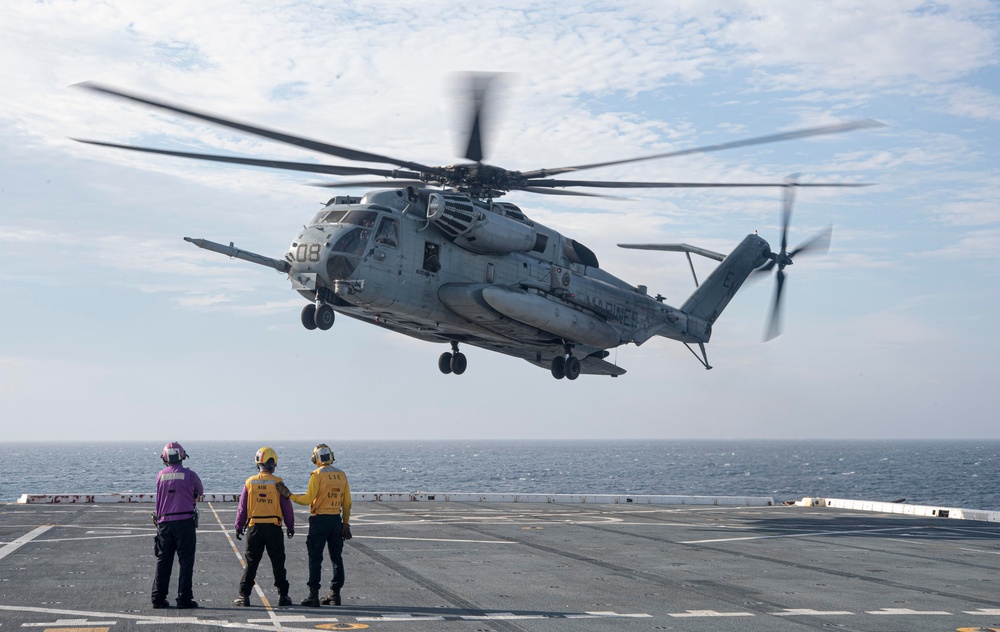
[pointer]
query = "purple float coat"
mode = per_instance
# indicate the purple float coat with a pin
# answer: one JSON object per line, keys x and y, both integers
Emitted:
{"x": 177, "y": 491}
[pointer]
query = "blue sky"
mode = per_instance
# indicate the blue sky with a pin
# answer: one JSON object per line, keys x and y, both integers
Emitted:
{"x": 113, "y": 327}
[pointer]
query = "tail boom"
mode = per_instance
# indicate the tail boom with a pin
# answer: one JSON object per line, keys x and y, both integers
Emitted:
{"x": 708, "y": 301}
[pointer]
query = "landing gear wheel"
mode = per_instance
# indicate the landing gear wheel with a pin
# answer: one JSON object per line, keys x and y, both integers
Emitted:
{"x": 559, "y": 367}
{"x": 458, "y": 363}
{"x": 444, "y": 362}
{"x": 572, "y": 368}
{"x": 309, "y": 316}
{"x": 325, "y": 316}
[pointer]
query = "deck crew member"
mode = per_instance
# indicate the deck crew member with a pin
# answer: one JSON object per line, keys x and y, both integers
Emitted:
{"x": 329, "y": 500}
{"x": 265, "y": 510}
{"x": 178, "y": 489}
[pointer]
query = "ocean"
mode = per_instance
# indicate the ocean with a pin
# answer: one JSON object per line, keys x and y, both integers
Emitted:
{"x": 940, "y": 473}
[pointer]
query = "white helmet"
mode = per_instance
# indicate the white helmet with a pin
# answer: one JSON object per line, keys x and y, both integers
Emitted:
{"x": 322, "y": 455}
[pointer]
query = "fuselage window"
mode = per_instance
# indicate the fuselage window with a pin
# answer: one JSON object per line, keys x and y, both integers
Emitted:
{"x": 491, "y": 272}
{"x": 432, "y": 260}
{"x": 388, "y": 232}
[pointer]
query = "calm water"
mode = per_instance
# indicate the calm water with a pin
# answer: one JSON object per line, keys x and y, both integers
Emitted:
{"x": 946, "y": 473}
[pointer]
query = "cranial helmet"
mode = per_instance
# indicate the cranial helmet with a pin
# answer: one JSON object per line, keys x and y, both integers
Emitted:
{"x": 322, "y": 455}
{"x": 173, "y": 452}
{"x": 266, "y": 457}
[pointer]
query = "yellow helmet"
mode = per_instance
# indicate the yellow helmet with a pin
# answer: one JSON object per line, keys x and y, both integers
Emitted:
{"x": 266, "y": 457}
{"x": 322, "y": 455}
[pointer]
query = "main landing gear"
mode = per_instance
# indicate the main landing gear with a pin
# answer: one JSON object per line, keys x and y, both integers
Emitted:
{"x": 566, "y": 366}
{"x": 453, "y": 361}
{"x": 319, "y": 316}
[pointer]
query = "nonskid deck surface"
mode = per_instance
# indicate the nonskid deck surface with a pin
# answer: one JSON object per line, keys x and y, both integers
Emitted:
{"x": 515, "y": 566}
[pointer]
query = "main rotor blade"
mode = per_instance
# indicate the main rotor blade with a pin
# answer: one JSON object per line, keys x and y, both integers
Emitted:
{"x": 255, "y": 162}
{"x": 369, "y": 183}
{"x": 774, "y": 323}
{"x": 607, "y": 184}
{"x": 560, "y": 192}
{"x": 759, "y": 140}
{"x": 299, "y": 141}
{"x": 479, "y": 87}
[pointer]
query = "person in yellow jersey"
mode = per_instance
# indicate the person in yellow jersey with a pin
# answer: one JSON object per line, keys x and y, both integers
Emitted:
{"x": 264, "y": 509}
{"x": 329, "y": 500}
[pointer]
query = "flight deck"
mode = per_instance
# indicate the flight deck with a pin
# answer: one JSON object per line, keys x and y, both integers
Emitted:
{"x": 464, "y": 563}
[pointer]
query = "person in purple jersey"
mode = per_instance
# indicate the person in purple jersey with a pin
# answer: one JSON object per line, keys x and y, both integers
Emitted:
{"x": 178, "y": 489}
{"x": 264, "y": 510}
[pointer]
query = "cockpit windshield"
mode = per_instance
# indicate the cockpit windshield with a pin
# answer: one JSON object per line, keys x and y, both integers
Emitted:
{"x": 342, "y": 216}
{"x": 360, "y": 218}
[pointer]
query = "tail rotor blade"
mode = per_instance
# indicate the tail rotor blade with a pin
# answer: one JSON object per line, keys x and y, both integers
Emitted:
{"x": 820, "y": 242}
{"x": 788, "y": 200}
{"x": 774, "y": 323}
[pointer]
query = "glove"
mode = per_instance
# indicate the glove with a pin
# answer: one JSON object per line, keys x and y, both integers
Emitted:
{"x": 283, "y": 490}
{"x": 239, "y": 534}
{"x": 290, "y": 534}
{"x": 345, "y": 531}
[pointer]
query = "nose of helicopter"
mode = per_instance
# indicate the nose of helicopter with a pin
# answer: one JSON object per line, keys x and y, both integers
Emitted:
{"x": 308, "y": 251}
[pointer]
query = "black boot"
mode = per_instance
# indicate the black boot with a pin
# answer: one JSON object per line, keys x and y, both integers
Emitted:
{"x": 242, "y": 600}
{"x": 284, "y": 600}
{"x": 313, "y": 599}
{"x": 333, "y": 599}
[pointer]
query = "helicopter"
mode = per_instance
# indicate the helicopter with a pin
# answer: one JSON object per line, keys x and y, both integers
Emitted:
{"x": 433, "y": 254}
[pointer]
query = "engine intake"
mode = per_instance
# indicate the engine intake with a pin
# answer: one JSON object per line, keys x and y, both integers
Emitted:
{"x": 478, "y": 228}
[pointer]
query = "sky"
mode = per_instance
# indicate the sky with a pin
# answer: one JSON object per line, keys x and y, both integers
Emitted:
{"x": 114, "y": 328}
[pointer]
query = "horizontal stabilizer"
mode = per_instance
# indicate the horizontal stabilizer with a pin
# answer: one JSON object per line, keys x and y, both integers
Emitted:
{"x": 677, "y": 248}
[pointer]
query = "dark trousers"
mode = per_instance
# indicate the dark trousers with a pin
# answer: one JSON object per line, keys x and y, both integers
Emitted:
{"x": 261, "y": 537}
{"x": 174, "y": 537}
{"x": 325, "y": 532}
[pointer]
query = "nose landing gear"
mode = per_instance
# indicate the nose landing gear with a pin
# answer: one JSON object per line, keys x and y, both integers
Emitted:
{"x": 453, "y": 361}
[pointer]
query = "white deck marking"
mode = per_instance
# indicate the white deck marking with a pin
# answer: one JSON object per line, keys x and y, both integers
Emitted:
{"x": 906, "y": 611}
{"x": 73, "y": 622}
{"x": 993, "y": 612}
{"x": 297, "y": 618}
{"x": 21, "y": 541}
{"x": 390, "y": 537}
{"x": 401, "y": 617}
{"x": 710, "y": 613}
{"x": 260, "y": 593}
{"x": 152, "y": 619}
{"x": 808, "y": 612}
{"x": 808, "y": 534}
{"x": 495, "y": 616}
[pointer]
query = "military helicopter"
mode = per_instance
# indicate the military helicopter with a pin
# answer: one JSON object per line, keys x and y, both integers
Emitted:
{"x": 433, "y": 255}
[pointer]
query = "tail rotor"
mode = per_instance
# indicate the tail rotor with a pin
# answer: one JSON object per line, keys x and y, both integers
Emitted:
{"x": 818, "y": 243}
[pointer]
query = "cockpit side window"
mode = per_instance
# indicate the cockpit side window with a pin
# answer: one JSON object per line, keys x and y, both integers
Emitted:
{"x": 388, "y": 232}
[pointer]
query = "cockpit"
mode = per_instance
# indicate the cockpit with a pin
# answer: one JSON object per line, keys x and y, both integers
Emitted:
{"x": 342, "y": 236}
